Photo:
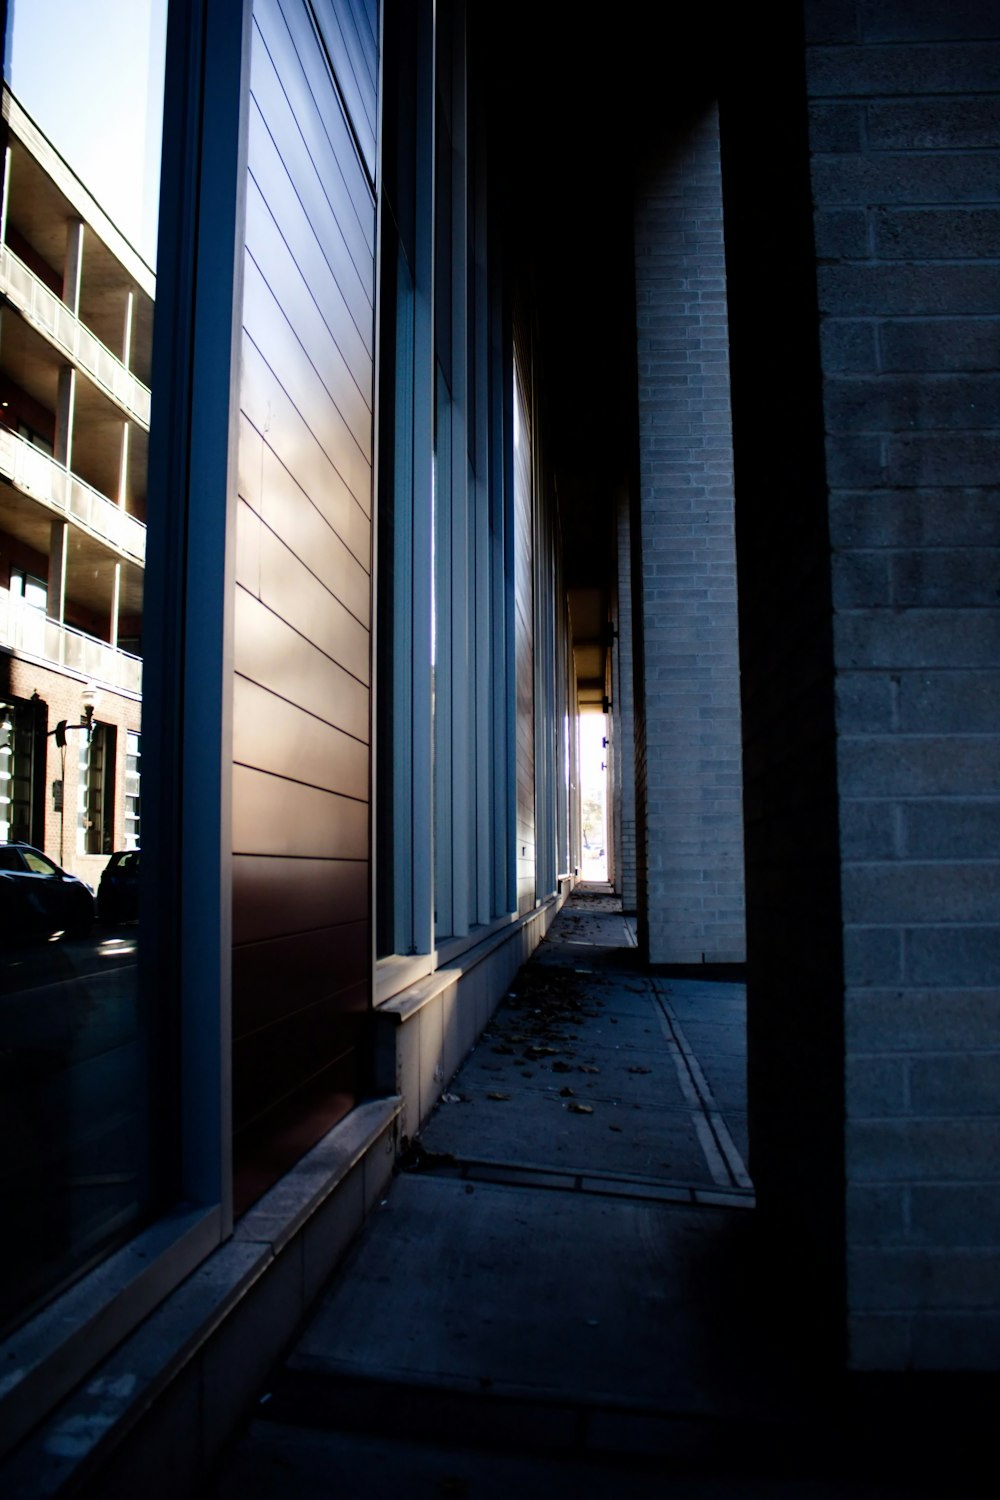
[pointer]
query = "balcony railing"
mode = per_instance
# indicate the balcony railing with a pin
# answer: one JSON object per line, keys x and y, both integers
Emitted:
{"x": 47, "y": 312}
{"x": 29, "y": 632}
{"x": 37, "y": 475}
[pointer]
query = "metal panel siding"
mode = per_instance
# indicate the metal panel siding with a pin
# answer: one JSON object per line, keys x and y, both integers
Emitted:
{"x": 311, "y": 889}
{"x": 301, "y": 959}
{"x": 355, "y": 64}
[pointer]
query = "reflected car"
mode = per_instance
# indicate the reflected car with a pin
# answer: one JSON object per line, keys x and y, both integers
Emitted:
{"x": 37, "y": 898}
{"x": 118, "y": 892}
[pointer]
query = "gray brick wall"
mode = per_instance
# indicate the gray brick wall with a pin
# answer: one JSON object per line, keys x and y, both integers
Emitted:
{"x": 624, "y": 714}
{"x": 691, "y": 889}
{"x": 904, "y": 124}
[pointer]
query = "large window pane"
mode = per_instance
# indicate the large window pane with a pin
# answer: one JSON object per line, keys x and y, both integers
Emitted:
{"x": 81, "y": 137}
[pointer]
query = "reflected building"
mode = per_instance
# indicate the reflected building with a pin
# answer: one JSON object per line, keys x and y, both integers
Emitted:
{"x": 75, "y": 345}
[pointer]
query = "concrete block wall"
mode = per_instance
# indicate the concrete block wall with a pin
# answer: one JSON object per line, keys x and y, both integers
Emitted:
{"x": 691, "y": 890}
{"x": 623, "y": 690}
{"x": 904, "y": 121}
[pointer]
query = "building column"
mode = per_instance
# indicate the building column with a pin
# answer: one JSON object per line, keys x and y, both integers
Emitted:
{"x": 624, "y": 723}
{"x": 58, "y": 548}
{"x": 73, "y": 270}
{"x": 65, "y": 405}
{"x": 59, "y": 530}
{"x": 693, "y": 801}
{"x": 123, "y": 467}
{"x": 116, "y": 595}
{"x": 127, "y": 331}
{"x": 6, "y": 196}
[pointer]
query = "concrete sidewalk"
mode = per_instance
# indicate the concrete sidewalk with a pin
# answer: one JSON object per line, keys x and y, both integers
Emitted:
{"x": 560, "y": 1293}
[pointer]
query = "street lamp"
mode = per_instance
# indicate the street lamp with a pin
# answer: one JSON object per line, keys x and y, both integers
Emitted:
{"x": 89, "y": 699}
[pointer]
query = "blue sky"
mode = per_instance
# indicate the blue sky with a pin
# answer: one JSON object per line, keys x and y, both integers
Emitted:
{"x": 91, "y": 76}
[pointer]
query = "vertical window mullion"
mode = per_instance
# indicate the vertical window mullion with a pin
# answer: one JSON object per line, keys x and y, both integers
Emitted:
{"x": 422, "y": 625}
{"x": 462, "y": 683}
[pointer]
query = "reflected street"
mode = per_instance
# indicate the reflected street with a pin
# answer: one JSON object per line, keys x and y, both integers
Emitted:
{"x": 72, "y": 1116}
{"x": 106, "y": 957}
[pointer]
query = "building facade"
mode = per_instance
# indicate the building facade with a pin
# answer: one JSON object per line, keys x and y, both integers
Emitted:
{"x": 444, "y": 450}
{"x": 75, "y": 347}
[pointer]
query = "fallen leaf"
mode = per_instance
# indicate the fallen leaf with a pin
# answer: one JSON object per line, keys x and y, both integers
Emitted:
{"x": 580, "y": 1109}
{"x": 495, "y": 1094}
{"x": 616, "y": 1128}
{"x": 634, "y": 1069}
{"x": 566, "y": 1093}
{"x": 561, "y": 1067}
{"x": 588, "y": 1068}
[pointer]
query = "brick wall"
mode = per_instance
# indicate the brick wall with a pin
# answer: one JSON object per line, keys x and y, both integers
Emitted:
{"x": 60, "y": 696}
{"x": 624, "y": 716}
{"x": 904, "y": 127}
{"x": 689, "y": 782}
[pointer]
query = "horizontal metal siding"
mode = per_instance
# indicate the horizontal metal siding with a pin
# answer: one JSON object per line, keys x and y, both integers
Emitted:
{"x": 350, "y": 38}
{"x": 301, "y": 775}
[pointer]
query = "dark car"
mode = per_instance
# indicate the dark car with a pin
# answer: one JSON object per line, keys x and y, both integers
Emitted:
{"x": 37, "y": 898}
{"x": 118, "y": 892}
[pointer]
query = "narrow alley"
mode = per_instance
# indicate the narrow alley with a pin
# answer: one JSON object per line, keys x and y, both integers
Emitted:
{"x": 585, "y": 1314}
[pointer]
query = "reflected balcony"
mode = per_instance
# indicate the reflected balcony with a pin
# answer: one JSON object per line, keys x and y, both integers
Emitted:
{"x": 28, "y": 632}
{"x": 36, "y": 475}
{"x": 40, "y": 307}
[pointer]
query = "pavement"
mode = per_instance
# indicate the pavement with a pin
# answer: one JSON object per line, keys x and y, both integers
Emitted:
{"x": 563, "y": 1292}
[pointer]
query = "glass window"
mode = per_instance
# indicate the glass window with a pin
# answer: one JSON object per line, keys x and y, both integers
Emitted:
{"x": 80, "y": 152}
{"x": 96, "y": 788}
{"x": 38, "y": 864}
{"x": 132, "y": 812}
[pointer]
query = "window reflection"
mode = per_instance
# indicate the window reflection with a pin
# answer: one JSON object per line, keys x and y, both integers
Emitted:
{"x": 80, "y": 143}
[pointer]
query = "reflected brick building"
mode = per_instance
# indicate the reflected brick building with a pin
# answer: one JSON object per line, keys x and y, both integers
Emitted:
{"x": 75, "y": 343}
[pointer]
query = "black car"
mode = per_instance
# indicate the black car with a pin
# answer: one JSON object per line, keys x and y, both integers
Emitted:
{"x": 37, "y": 898}
{"x": 118, "y": 892}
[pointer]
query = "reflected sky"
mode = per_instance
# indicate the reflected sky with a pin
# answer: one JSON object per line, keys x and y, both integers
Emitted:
{"x": 91, "y": 77}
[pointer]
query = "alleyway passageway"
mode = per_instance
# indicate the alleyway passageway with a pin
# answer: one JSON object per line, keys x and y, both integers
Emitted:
{"x": 559, "y": 1293}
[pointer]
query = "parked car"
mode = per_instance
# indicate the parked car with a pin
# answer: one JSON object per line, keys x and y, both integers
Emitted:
{"x": 37, "y": 898}
{"x": 118, "y": 892}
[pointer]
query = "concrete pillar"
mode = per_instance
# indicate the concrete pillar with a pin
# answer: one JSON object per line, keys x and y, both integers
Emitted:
{"x": 624, "y": 700}
{"x": 73, "y": 271}
{"x": 116, "y": 595}
{"x": 58, "y": 547}
{"x": 6, "y": 197}
{"x": 123, "y": 467}
{"x": 65, "y": 405}
{"x": 692, "y": 804}
{"x": 127, "y": 332}
{"x": 908, "y": 310}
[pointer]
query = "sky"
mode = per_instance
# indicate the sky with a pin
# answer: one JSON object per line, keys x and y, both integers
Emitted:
{"x": 90, "y": 74}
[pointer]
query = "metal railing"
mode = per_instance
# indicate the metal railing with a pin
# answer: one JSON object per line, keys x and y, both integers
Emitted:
{"x": 36, "y": 474}
{"x": 28, "y": 631}
{"x": 48, "y": 313}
